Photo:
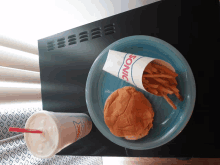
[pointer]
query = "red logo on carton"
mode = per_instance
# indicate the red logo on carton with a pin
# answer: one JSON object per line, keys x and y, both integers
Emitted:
{"x": 79, "y": 128}
{"x": 126, "y": 66}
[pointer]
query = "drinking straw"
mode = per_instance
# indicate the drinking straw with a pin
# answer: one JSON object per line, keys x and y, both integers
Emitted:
{"x": 23, "y": 130}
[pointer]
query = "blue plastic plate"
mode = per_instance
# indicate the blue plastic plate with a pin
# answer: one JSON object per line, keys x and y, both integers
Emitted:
{"x": 168, "y": 123}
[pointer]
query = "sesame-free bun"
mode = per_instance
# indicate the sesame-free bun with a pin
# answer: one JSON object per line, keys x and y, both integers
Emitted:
{"x": 128, "y": 113}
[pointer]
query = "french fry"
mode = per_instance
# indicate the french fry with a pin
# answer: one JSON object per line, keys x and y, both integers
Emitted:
{"x": 164, "y": 78}
{"x": 150, "y": 67}
{"x": 154, "y": 70}
{"x": 165, "y": 87}
{"x": 161, "y": 81}
{"x": 154, "y": 91}
{"x": 169, "y": 101}
{"x": 158, "y": 75}
{"x": 145, "y": 85}
{"x": 165, "y": 69}
{"x": 152, "y": 81}
{"x": 179, "y": 96}
{"x": 173, "y": 81}
{"x": 174, "y": 89}
{"x": 165, "y": 90}
{"x": 149, "y": 88}
{"x": 148, "y": 71}
{"x": 145, "y": 81}
{"x": 159, "y": 93}
{"x": 153, "y": 85}
{"x": 161, "y": 71}
{"x": 170, "y": 87}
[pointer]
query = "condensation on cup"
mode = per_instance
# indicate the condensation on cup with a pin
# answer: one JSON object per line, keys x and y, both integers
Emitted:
{"x": 59, "y": 131}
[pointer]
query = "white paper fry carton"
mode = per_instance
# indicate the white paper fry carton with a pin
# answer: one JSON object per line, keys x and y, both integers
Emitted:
{"x": 130, "y": 67}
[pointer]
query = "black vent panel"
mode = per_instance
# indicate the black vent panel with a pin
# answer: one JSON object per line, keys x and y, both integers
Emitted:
{"x": 72, "y": 39}
{"x": 61, "y": 42}
{"x": 96, "y": 32}
{"x": 83, "y": 36}
{"x": 109, "y": 29}
{"x": 50, "y": 45}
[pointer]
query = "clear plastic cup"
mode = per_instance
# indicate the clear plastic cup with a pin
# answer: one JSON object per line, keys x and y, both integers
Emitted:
{"x": 59, "y": 131}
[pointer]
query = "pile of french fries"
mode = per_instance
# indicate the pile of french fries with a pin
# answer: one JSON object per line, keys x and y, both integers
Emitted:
{"x": 160, "y": 81}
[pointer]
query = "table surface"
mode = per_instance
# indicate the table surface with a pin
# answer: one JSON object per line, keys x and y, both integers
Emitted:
{"x": 64, "y": 71}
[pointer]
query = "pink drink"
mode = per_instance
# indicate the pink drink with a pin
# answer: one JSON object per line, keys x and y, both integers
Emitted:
{"x": 60, "y": 130}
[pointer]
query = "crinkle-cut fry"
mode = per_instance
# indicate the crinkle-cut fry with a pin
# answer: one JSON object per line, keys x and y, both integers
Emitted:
{"x": 158, "y": 75}
{"x": 179, "y": 96}
{"x": 165, "y": 69}
{"x": 165, "y": 90}
{"x": 169, "y": 101}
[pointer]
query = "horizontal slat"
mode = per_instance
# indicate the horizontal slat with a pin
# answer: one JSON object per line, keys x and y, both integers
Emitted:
{"x": 19, "y": 45}
{"x": 17, "y": 75}
{"x": 13, "y": 58}
{"x": 28, "y": 106}
{"x": 16, "y": 95}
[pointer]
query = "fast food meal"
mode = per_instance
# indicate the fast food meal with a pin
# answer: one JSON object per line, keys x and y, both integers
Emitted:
{"x": 128, "y": 113}
{"x": 160, "y": 81}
